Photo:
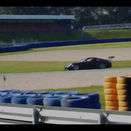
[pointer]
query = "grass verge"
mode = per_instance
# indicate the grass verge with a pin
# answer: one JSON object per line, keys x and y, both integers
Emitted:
{"x": 42, "y": 66}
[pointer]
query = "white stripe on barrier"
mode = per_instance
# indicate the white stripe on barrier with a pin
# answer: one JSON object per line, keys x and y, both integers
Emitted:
{"x": 70, "y": 114}
{"x": 119, "y": 118}
{"x": 20, "y": 110}
{"x": 64, "y": 122}
{"x": 16, "y": 117}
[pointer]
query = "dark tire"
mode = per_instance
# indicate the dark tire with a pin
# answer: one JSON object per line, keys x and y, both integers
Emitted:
{"x": 9, "y": 91}
{"x": 76, "y": 102}
{"x": 35, "y": 100}
{"x": 26, "y": 92}
{"x": 66, "y": 70}
{"x": 102, "y": 66}
{"x": 75, "y": 67}
{"x": 124, "y": 80}
{"x": 40, "y": 92}
{"x": 30, "y": 94}
{"x": 72, "y": 92}
{"x": 45, "y": 95}
{"x": 96, "y": 105}
{"x": 3, "y": 93}
{"x": 5, "y": 99}
{"x": 19, "y": 99}
{"x": 94, "y": 97}
{"x": 66, "y": 94}
{"x": 63, "y": 95}
{"x": 52, "y": 101}
{"x": 54, "y": 92}
{"x": 15, "y": 94}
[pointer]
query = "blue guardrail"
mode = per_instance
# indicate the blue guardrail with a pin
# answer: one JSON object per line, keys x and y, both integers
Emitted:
{"x": 28, "y": 46}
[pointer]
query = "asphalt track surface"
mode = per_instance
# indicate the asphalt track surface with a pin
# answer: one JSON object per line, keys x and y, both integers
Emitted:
{"x": 63, "y": 79}
{"x": 70, "y": 55}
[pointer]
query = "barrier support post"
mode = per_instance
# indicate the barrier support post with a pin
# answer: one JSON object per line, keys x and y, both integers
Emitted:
{"x": 35, "y": 116}
{"x": 102, "y": 119}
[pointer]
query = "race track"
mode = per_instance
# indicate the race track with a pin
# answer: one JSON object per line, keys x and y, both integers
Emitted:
{"x": 49, "y": 80}
{"x": 70, "y": 55}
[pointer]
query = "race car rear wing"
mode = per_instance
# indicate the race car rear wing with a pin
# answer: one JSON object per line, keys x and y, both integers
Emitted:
{"x": 111, "y": 57}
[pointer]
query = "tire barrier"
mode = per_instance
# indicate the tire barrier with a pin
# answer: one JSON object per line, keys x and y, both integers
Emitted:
{"x": 15, "y": 94}
{"x": 111, "y": 103}
{"x": 30, "y": 94}
{"x": 124, "y": 108}
{"x": 9, "y": 91}
{"x": 71, "y": 92}
{"x": 4, "y": 93}
{"x": 124, "y": 80}
{"x": 120, "y": 95}
{"x": 63, "y": 95}
{"x": 40, "y": 92}
{"x": 96, "y": 105}
{"x": 111, "y": 107}
{"x": 35, "y": 100}
{"x": 19, "y": 99}
{"x": 5, "y": 98}
{"x": 94, "y": 97}
{"x": 45, "y": 94}
{"x": 52, "y": 101}
{"x": 112, "y": 79}
{"x": 66, "y": 94}
{"x": 110, "y": 92}
{"x": 51, "y": 98}
{"x": 76, "y": 101}
{"x": 124, "y": 104}
{"x": 54, "y": 92}
{"x": 123, "y": 86}
{"x": 124, "y": 93}
{"x": 108, "y": 85}
{"x": 111, "y": 97}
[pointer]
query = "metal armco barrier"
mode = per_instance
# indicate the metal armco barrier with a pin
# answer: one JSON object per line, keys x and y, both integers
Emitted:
{"x": 31, "y": 114}
{"x": 28, "y": 46}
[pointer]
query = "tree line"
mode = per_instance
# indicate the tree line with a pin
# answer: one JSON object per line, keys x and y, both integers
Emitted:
{"x": 85, "y": 15}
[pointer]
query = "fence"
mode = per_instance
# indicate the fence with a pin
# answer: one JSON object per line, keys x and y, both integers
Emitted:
{"x": 22, "y": 41}
{"x": 108, "y": 27}
{"x": 32, "y": 114}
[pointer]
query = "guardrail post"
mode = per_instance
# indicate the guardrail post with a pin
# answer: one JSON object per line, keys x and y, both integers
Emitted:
{"x": 35, "y": 116}
{"x": 102, "y": 119}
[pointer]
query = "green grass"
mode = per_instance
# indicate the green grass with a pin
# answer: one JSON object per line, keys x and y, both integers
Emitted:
{"x": 26, "y": 66}
{"x": 98, "y": 89}
{"x": 32, "y": 66}
{"x": 109, "y": 34}
{"x": 43, "y": 36}
{"x": 70, "y": 35}
{"x": 76, "y": 47}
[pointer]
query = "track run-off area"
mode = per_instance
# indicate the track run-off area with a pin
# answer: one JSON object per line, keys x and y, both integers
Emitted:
{"x": 63, "y": 79}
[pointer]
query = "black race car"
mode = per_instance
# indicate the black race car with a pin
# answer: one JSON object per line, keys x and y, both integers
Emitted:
{"x": 90, "y": 63}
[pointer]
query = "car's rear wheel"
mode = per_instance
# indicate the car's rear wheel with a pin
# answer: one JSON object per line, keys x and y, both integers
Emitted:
{"x": 75, "y": 67}
{"x": 102, "y": 66}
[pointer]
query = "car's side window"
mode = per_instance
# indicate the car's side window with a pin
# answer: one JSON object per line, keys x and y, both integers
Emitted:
{"x": 88, "y": 60}
{"x": 93, "y": 60}
{"x": 98, "y": 59}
